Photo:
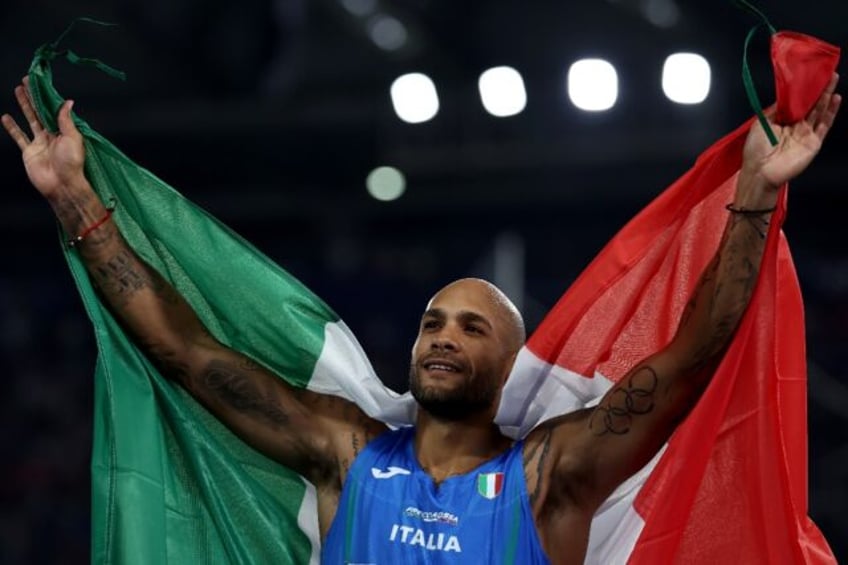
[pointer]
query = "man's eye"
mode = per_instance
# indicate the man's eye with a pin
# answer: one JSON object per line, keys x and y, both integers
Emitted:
{"x": 429, "y": 324}
{"x": 474, "y": 329}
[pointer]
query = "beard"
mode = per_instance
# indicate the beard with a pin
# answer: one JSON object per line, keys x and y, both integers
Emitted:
{"x": 471, "y": 397}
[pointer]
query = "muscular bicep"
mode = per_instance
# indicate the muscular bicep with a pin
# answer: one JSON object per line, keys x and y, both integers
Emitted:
{"x": 633, "y": 421}
{"x": 299, "y": 429}
{"x": 311, "y": 434}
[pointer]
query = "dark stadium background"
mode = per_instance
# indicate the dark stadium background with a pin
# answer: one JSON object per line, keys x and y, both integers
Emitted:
{"x": 270, "y": 114}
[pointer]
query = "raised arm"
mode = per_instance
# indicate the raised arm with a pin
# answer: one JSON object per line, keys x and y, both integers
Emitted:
{"x": 593, "y": 451}
{"x": 314, "y": 435}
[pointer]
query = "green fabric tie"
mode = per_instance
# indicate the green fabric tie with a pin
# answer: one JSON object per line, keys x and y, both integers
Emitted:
{"x": 747, "y": 79}
{"x": 51, "y": 51}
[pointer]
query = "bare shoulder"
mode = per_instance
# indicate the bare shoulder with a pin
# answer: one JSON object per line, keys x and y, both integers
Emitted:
{"x": 551, "y": 460}
{"x": 349, "y": 428}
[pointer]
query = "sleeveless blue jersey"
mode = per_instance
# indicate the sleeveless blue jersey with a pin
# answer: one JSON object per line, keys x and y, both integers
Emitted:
{"x": 392, "y": 513}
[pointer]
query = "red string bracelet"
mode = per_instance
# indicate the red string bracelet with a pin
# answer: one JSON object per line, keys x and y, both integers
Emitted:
{"x": 74, "y": 241}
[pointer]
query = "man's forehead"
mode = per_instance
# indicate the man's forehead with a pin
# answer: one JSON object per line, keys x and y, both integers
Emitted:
{"x": 466, "y": 292}
{"x": 437, "y": 312}
{"x": 484, "y": 299}
{"x": 467, "y": 296}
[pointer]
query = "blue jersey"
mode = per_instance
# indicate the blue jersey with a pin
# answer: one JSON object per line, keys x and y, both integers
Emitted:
{"x": 392, "y": 513}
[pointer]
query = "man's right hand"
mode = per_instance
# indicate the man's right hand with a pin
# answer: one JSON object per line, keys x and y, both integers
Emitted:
{"x": 54, "y": 162}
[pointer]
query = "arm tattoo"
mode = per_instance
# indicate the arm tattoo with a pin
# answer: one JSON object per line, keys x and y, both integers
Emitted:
{"x": 354, "y": 439}
{"x": 123, "y": 275}
{"x": 236, "y": 389}
{"x": 545, "y": 445}
{"x": 634, "y": 398}
{"x": 120, "y": 277}
{"x": 68, "y": 211}
{"x": 363, "y": 431}
{"x": 724, "y": 291}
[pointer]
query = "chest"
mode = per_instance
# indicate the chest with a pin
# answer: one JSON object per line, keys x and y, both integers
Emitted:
{"x": 409, "y": 497}
{"x": 391, "y": 511}
{"x": 406, "y": 517}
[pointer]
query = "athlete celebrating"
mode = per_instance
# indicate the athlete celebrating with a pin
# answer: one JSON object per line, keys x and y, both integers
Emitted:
{"x": 452, "y": 486}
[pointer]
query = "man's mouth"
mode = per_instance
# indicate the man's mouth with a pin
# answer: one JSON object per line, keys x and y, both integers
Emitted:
{"x": 442, "y": 365}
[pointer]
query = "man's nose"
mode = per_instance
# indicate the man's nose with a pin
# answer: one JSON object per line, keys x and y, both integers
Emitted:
{"x": 445, "y": 341}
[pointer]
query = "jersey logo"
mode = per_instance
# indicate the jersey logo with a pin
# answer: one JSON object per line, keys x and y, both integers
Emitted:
{"x": 388, "y": 474}
{"x": 432, "y": 542}
{"x": 489, "y": 485}
{"x": 440, "y": 516}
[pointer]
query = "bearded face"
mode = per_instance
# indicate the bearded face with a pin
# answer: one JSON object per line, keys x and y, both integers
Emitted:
{"x": 464, "y": 350}
{"x": 465, "y": 396}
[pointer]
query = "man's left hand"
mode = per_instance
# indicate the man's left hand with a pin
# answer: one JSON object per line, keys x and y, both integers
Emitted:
{"x": 797, "y": 145}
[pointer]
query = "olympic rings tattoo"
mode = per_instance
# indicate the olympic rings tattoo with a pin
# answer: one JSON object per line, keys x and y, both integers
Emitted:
{"x": 636, "y": 398}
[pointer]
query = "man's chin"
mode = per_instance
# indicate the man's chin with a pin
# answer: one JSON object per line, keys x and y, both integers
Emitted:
{"x": 448, "y": 399}
{"x": 441, "y": 404}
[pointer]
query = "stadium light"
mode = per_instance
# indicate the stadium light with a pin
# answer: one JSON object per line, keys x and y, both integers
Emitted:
{"x": 385, "y": 184}
{"x": 686, "y": 78}
{"x": 593, "y": 85}
{"x": 387, "y": 32}
{"x": 502, "y": 91}
{"x": 414, "y": 98}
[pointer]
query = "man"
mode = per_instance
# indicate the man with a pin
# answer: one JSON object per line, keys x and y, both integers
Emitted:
{"x": 468, "y": 339}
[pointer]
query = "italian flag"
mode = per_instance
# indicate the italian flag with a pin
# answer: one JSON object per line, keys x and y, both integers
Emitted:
{"x": 172, "y": 485}
{"x": 489, "y": 485}
{"x": 731, "y": 484}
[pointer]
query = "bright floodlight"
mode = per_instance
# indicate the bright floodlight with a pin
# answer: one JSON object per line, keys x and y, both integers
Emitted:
{"x": 414, "y": 98}
{"x": 686, "y": 78}
{"x": 385, "y": 183}
{"x": 593, "y": 85}
{"x": 502, "y": 91}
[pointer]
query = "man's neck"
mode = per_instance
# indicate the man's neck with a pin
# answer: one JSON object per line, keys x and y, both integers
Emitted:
{"x": 448, "y": 448}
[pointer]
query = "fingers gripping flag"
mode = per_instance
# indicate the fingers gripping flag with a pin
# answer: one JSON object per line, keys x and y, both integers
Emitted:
{"x": 171, "y": 485}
